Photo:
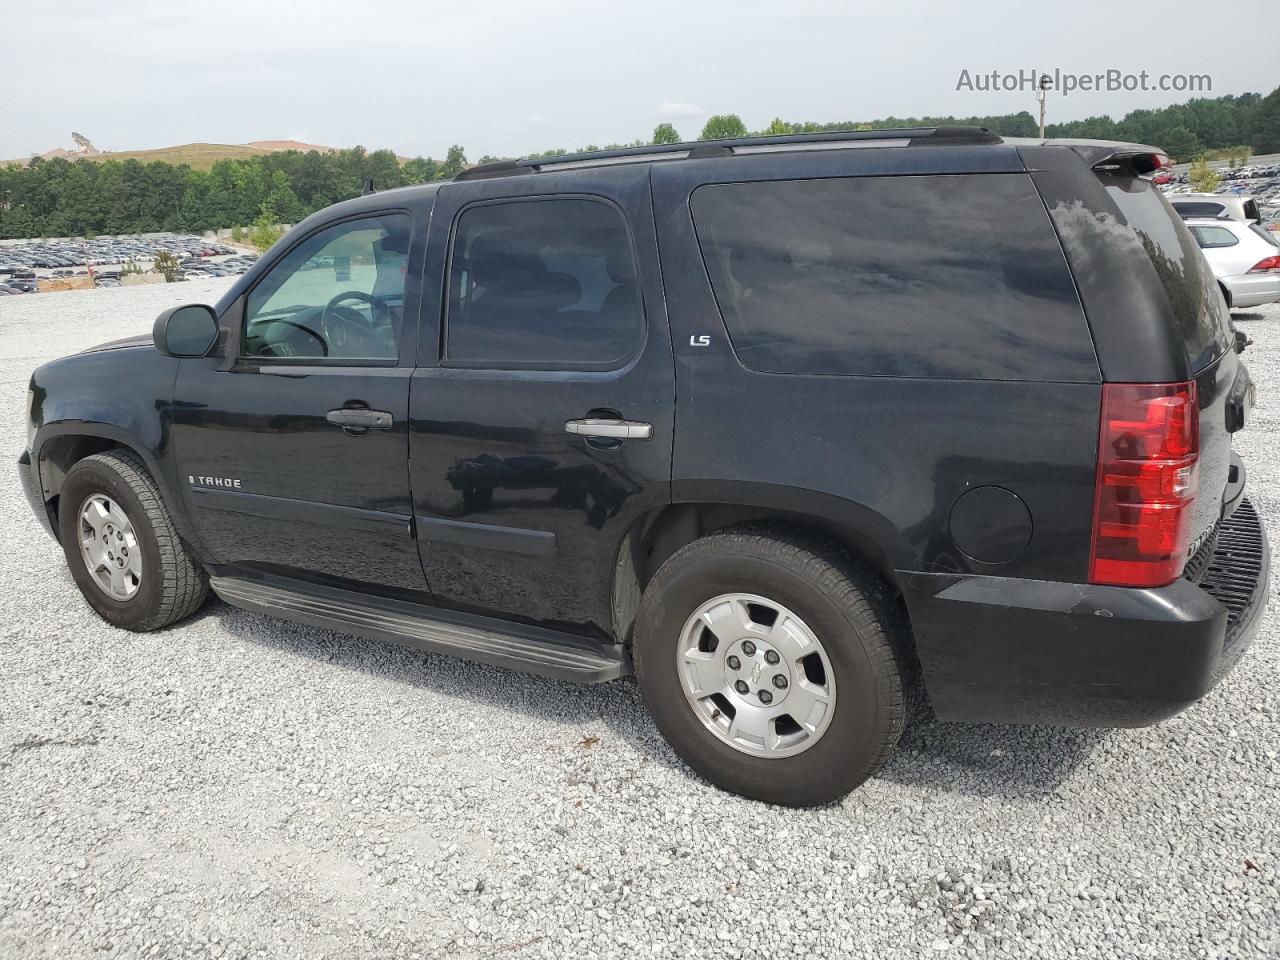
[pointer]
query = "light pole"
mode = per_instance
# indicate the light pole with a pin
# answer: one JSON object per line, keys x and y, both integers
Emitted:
{"x": 1044, "y": 83}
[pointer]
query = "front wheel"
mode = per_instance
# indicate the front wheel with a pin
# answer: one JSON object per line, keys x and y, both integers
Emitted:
{"x": 770, "y": 664}
{"x": 121, "y": 546}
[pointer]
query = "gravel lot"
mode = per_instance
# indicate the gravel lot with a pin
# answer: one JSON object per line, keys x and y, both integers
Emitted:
{"x": 242, "y": 787}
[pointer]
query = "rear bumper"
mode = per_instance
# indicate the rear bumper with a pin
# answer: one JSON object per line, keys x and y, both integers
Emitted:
{"x": 1253, "y": 290}
{"x": 29, "y": 477}
{"x": 1028, "y": 651}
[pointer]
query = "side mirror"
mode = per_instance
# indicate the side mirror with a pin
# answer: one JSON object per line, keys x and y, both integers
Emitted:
{"x": 186, "y": 331}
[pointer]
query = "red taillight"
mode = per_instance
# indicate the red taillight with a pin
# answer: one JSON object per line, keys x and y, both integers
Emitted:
{"x": 1262, "y": 266}
{"x": 1148, "y": 447}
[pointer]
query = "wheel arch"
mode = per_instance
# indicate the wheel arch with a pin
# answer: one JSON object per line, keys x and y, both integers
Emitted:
{"x": 864, "y": 533}
{"x": 61, "y": 445}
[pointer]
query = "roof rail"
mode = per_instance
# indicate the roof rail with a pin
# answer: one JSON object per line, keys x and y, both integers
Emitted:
{"x": 793, "y": 141}
{"x": 499, "y": 168}
{"x": 701, "y": 149}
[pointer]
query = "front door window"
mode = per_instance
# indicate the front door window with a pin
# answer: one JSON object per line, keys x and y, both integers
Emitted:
{"x": 336, "y": 296}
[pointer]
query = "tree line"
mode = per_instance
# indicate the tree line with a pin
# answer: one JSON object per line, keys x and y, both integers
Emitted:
{"x": 60, "y": 197}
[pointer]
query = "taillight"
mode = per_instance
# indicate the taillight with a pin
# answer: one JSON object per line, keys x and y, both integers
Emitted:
{"x": 1148, "y": 448}
{"x": 1263, "y": 266}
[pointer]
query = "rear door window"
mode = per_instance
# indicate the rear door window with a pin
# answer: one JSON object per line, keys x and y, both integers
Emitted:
{"x": 925, "y": 276}
{"x": 542, "y": 283}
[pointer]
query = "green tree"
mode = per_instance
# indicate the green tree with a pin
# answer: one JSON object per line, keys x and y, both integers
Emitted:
{"x": 665, "y": 133}
{"x": 1180, "y": 143}
{"x": 265, "y": 231}
{"x": 455, "y": 162}
{"x": 1203, "y": 178}
{"x": 1266, "y": 125}
{"x": 723, "y": 126}
{"x": 778, "y": 128}
{"x": 167, "y": 264}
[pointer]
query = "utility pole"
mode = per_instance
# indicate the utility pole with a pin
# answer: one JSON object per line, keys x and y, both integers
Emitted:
{"x": 1044, "y": 84}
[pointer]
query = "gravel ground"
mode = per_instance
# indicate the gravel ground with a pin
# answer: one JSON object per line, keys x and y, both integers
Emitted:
{"x": 242, "y": 787}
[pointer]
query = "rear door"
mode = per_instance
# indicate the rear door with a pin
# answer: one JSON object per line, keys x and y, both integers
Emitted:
{"x": 542, "y": 412}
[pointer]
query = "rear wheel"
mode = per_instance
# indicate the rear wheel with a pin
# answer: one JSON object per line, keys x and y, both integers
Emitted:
{"x": 769, "y": 663}
{"x": 121, "y": 546}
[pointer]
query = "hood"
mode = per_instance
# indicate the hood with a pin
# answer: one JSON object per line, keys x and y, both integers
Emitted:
{"x": 141, "y": 340}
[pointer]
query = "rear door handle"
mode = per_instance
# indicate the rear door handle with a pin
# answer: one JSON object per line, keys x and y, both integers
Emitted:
{"x": 360, "y": 418}
{"x": 610, "y": 429}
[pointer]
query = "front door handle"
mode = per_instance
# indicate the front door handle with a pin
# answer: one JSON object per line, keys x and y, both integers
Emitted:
{"x": 360, "y": 419}
{"x": 610, "y": 429}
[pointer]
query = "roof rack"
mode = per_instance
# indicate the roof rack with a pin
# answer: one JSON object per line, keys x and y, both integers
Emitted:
{"x": 702, "y": 149}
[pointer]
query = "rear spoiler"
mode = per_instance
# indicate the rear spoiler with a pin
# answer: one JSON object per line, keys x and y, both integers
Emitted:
{"x": 1108, "y": 156}
{"x": 1143, "y": 161}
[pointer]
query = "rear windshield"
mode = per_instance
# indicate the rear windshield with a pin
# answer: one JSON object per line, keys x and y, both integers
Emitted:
{"x": 1190, "y": 208}
{"x": 924, "y": 276}
{"x": 1265, "y": 234}
{"x": 1195, "y": 306}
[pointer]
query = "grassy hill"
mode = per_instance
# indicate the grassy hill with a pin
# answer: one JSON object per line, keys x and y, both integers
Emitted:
{"x": 198, "y": 156}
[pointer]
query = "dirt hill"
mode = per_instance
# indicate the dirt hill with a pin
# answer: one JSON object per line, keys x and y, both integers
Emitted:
{"x": 199, "y": 156}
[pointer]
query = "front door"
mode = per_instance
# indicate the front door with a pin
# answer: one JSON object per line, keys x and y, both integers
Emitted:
{"x": 294, "y": 453}
{"x": 542, "y": 412}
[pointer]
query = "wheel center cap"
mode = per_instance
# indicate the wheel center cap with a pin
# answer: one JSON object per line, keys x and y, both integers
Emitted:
{"x": 757, "y": 672}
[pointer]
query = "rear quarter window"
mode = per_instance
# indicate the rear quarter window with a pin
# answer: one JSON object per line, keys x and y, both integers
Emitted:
{"x": 1198, "y": 321}
{"x": 1210, "y": 237}
{"x": 957, "y": 277}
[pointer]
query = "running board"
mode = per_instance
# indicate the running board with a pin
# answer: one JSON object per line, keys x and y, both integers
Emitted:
{"x": 547, "y": 653}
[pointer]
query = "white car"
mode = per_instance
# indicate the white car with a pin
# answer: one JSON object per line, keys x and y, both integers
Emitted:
{"x": 1244, "y": 257}
{"x": 1221, "y": 206}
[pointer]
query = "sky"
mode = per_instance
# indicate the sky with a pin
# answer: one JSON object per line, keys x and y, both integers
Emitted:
{"x": 510, "y": 77}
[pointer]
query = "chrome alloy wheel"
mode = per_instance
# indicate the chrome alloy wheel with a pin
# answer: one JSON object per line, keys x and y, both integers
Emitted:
{"x": 756, "y": 675}
{"x": 109, "y": 547}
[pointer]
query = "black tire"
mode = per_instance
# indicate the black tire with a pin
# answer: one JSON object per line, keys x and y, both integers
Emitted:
{"x": 172, "y": 585}
{"x": 848, "y": 608}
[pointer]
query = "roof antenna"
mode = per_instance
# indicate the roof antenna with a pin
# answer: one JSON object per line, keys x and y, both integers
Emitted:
{"x": 366, "y": 187}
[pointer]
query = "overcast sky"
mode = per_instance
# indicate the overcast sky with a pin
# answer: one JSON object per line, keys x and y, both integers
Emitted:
{"x": 508, "y": 77}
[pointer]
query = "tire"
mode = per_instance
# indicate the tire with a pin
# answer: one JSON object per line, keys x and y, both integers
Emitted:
{"x": 171, "y": 585}
{"x": 842, "y": 604}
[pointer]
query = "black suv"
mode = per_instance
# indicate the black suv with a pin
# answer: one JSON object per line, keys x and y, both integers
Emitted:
{"x": 791, "y": 427}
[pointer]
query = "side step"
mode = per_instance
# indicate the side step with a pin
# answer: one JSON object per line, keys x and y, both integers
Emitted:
{"x": 536, "y": 650}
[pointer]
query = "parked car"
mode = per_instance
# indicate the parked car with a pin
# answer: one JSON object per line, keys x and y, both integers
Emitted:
{"x": 1244, "y": 257}
{"x": 764, "y": 420}
{"x": 1218, "y": 205}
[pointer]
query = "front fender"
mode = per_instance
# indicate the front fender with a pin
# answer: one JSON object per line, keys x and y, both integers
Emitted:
{"x": 92, "y": 401}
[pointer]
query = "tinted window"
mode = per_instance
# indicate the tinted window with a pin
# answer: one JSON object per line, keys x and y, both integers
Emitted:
{"x": 1209, "y": 237}
{"x": 958, "y": 277}
{"x": 338, "y": 295}
{"x": 1188, "y": 281}
{"x": 542, "y": 283}
{"x": 1190, "y": 208}
{"x": 1251, "y": 210}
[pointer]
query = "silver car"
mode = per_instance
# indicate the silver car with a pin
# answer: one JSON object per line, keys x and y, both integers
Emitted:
{"x": 1219, "y": 206}
{"x": 1244, "y": 258}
